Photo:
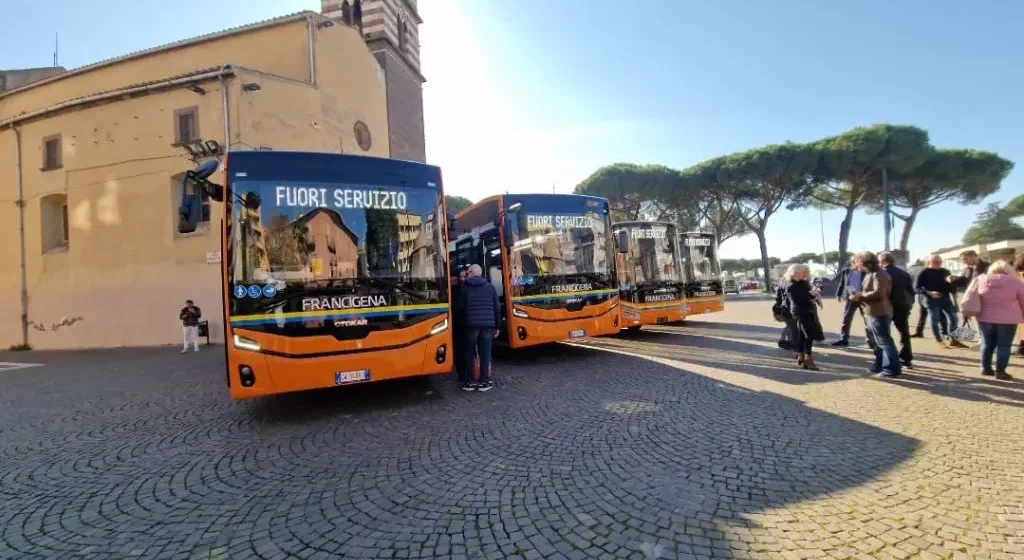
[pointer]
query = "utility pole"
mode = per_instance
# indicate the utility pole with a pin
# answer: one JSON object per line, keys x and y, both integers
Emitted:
{"x": 824, "y": 253}
{"x": 885, "y": 205}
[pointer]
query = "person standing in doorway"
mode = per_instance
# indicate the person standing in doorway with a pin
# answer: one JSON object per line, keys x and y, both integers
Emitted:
{"x": 459, "y": 334}
{"x": 849, "y": 284}
{"x": 480, "y": 313}
{"x": 902, "y": 299}
{"x": 189, "y": 316}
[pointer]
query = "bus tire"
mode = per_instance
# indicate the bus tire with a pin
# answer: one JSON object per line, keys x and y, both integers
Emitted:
{"x": 634, "y": 327}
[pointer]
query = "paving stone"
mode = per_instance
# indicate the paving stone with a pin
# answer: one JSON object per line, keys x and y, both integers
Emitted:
{"x": 694, "y": 441}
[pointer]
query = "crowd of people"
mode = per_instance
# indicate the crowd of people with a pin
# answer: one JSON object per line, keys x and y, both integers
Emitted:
{"x": 884, "y": 295}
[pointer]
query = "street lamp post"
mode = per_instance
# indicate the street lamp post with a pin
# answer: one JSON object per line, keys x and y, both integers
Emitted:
{"x": 885, "y": 205}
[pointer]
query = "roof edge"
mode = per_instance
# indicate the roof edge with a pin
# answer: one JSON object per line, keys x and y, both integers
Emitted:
{"x": 306, "y": 14}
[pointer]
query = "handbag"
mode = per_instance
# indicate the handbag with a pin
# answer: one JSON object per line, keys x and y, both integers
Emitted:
{"x": 970, "y": 304}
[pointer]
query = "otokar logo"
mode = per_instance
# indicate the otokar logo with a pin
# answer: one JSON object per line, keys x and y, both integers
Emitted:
{"x": 343, "y": 302}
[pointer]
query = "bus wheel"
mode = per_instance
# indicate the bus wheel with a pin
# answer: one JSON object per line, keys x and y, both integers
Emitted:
{"x": 634, "y": 327}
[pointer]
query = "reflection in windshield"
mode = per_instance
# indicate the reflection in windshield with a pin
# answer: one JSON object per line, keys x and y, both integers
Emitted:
{"x": 701, "y": 258}
{"x": 559, "y": 244}
{"x": 651, "y": 257}
{"x": 295, "y": 244}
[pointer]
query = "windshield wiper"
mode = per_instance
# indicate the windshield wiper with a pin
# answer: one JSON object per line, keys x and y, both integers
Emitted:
{"x": 394, "y": 285}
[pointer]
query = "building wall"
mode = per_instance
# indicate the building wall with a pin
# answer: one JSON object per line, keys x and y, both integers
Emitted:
{"x": 280, "y": 49}
{"x": 126, "y": 271}
{"x": 405, "y": 109}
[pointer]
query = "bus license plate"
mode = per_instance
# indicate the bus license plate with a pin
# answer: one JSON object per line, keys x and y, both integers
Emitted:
{"x": 578, "y": 333}
{"x": 662, "y": 319}
{"x": 343, "y": 377}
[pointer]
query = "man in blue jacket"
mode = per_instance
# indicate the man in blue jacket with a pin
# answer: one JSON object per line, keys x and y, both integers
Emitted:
{"x": 849, "y": 283}
{"x": 478, "y": 310}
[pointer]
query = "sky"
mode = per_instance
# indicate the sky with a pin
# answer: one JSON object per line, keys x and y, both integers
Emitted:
{"x": 534, "y": 95}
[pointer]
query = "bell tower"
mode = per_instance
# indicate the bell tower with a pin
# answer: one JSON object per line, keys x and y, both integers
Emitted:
{"x": 391, "y": 30}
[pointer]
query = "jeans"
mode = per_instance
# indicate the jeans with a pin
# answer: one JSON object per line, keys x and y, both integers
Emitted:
{"x": 478, "y": 343}
{"x": 941, "y": 308}
{"x": 997, "y": 339}
{"x": 849, "y": 309}
{"x": 887, "y": 359}
{"x": 901, "y": 321}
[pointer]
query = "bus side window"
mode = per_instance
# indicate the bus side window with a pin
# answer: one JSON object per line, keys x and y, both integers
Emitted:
{"x": 494, "y": 273}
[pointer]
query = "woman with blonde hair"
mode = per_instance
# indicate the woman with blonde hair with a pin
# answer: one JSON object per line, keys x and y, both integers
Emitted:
{"x": 800, "y": 297}
{"x": 996, "y": 298}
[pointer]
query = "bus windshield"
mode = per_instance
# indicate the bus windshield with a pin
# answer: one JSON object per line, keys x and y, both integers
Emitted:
{"x": 333, "y": 247}
{"x": 651, "y": 258}
{"x": 701, "y": 257}
{"x": 560, "y": 235}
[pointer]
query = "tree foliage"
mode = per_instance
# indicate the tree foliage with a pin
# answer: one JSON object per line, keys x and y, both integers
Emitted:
{"x": 963, "y": 176}
{"x": 993, "y": 224}
{"x": 456, "y": 204}
{"x": 737, "y": 194}
{"x": 702, "y": 191}
{"x": 633, "y": 190}
{"x": 851, "y": 168}
{"x": 764, "y": 180}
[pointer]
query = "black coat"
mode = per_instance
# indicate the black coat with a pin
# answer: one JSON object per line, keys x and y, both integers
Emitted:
{"x": 477, "y": 304}
{"x": 902, "y": 294}
{"x": 804, "y": 310}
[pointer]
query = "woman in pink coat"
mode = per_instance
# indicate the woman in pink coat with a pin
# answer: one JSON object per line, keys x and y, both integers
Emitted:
{"x": 1001, "y": 309}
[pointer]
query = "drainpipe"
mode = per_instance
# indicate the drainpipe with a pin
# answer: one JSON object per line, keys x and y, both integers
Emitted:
{"x": 21, "y": 238}
{"x": 224, "y": 107}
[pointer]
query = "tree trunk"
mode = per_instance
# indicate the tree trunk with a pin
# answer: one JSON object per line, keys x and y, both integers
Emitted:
{"x": 844, "y": 236}
{"x": 764, "y": 258}
{"x": 907, "y": 225}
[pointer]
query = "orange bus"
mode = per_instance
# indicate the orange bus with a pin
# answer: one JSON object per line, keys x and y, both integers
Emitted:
{"x": 334, "y": 269}
{"x": 551, "y": 259}
{"x": 702, "y": 270}
{"x": 651, "y": 286}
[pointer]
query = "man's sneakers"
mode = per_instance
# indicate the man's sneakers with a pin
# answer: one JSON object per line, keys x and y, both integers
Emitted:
{"x": 954, "y": 343}
{"x": 841, "y": 342}
{"x": 481, "y": 387}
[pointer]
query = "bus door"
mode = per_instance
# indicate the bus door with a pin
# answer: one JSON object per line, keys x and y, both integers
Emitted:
{"x": 493, "y": 271}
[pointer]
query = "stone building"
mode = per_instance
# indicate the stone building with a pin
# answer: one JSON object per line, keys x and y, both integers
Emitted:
{"x": 91, "y": 161}
{"x": 391, "y": 29}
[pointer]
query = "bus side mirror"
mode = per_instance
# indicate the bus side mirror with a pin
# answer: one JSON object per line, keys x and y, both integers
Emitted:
{"x": 622, "y": 241}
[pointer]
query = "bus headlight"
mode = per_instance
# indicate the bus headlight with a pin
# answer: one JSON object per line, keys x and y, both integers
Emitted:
{"x": 520, "y": 313}
{"x": 439, "y": 328}
{"x": 246, "y": 343}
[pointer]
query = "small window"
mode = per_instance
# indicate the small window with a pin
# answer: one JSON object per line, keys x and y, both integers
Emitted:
{"x": 186, "y": 125}
{"x": 54, "y": 222}
{"x": 52, "y": 156}
{"x": 402, "y": 31}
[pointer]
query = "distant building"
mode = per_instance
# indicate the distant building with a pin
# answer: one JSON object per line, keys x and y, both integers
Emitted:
{"x": 1006, "y": 250}
{"x": 92, "y": 160}
{"x": 12, "y": 79}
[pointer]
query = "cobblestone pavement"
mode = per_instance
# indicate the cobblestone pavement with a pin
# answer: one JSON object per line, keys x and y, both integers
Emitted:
{"x": 692, "y": 441}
